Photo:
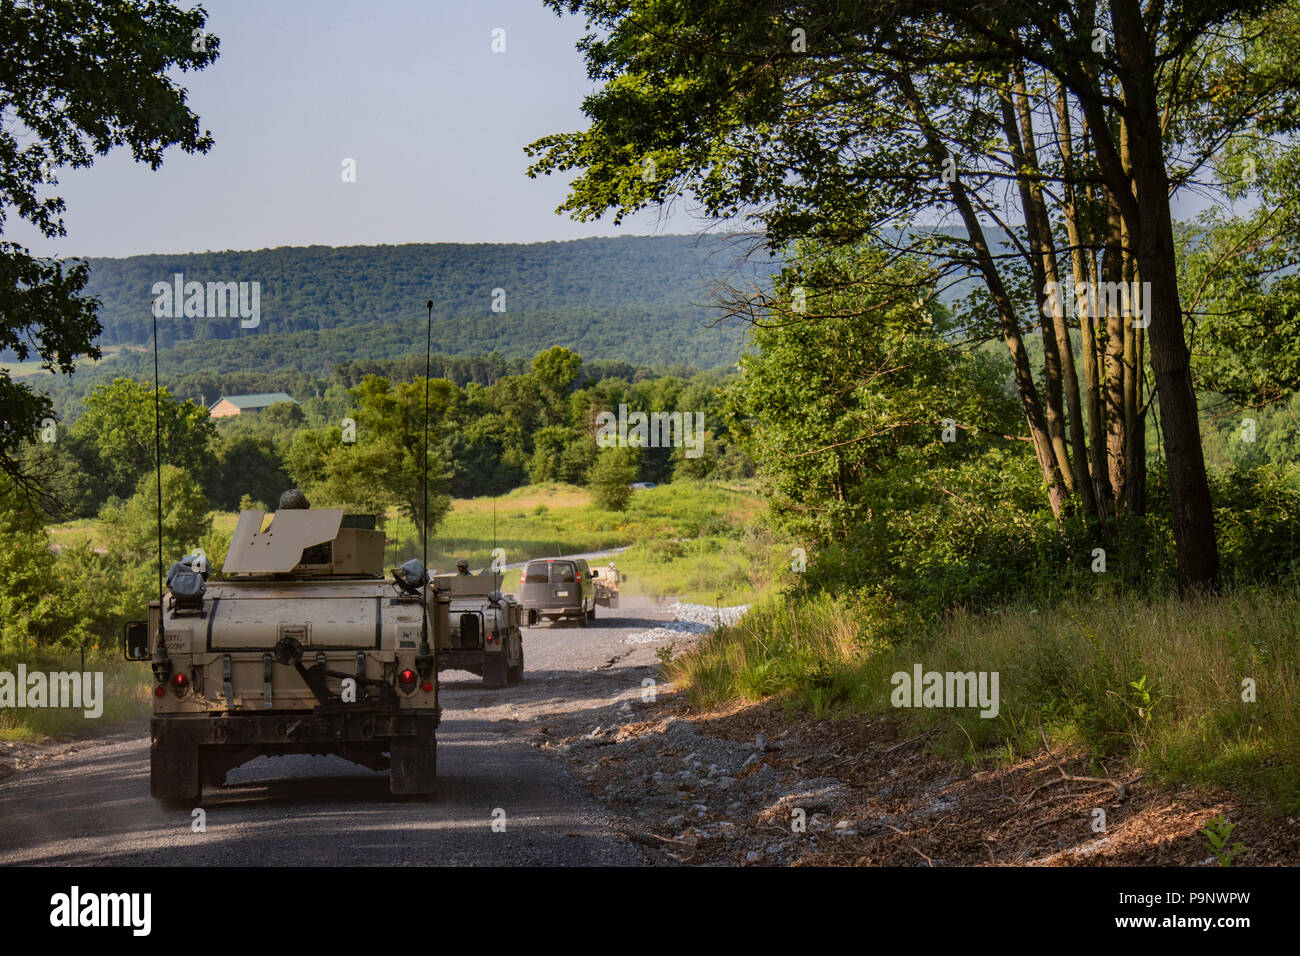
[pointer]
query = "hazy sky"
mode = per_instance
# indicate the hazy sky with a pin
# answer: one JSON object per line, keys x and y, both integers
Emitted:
{"x": 410, "y": 90}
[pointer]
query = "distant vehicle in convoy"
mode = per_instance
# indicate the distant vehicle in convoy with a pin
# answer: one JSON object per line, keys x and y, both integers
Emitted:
{"x": 485, "y": 636}
{"x": 555, "y": 589}
{"x": 305, "y": 647}
{"x": 642, "y": 485}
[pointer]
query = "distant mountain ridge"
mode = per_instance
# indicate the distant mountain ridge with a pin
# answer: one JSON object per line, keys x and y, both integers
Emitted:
{"x": 321, "y": 287}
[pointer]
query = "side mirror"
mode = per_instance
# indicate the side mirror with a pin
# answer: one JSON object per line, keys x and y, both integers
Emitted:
{"x": 622, "y": 577}
{"x": 135, "y": 641}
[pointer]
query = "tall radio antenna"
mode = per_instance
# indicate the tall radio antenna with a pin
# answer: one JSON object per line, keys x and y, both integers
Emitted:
{"x": 424, "y": 481}
{"x": 160, "y": 644}
{"x": 424, "y": 656}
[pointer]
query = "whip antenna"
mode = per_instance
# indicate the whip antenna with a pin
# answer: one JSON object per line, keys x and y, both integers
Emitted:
{"x": 160, "y": 647}
{"x": 424, "y": 481}
{"x": 424, "y": 656}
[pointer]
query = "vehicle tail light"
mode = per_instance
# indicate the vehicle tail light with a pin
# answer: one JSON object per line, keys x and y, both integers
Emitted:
{"x": 427, "y": 687}
{"x": 180, "y": 684}
{"x": 159, "y": 690}
{"x": 407, "y": 680}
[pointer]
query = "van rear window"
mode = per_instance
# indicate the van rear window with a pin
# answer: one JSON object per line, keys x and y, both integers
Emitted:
{"x": 536, "y": 573}
{"x": 562, "y": 572}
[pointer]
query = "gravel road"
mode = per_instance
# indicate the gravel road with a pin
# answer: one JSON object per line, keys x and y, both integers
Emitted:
{"x": 88, "y": 802}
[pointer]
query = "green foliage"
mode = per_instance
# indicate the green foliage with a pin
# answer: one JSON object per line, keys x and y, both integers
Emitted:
{"x": 131, "y": 527}
{"x": 385, "y": 466}
{"x": 615, "y": 469}
{"x": 112, "y": 445}
{"x": 30, "y": 609}
{"x": 247, "y": 466}
{"x": 844, "y": 412}
{"x": 555, "y": 371}
{"x": 127, "y": 692}
{"x": 607, "y": 298}
{"x": 1155, "y": 683}
{"x": 1217, "y": 834}
{"x": 55, "y": 118}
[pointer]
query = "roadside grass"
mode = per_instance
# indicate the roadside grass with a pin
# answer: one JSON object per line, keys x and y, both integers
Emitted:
{"x": 692, "y": 540}
{"x": 70, "y": 533}
{"x": 127, "y": 694}
{"x": 1159, "y": 683}
{"x": 661, "y": 525}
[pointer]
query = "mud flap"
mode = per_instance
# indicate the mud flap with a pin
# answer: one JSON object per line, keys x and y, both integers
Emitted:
{"x": 174, "y": 773}
{"x": 494, "y": 670}
{"x": 413, "y": 767}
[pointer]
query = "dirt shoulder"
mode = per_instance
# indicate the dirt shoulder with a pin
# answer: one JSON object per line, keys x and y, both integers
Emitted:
{"x": 20, "y": 756}
{"x": 749, "y": 785}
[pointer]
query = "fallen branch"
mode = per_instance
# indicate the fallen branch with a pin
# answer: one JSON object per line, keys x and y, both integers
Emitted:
{"x": 1120, "y": 790}
{"x": 912, "y": 740}
{"x": 906, "y": 843}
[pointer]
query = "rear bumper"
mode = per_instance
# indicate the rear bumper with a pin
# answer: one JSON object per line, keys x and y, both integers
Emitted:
{"x": 464, "y": 659}
{"x": 293, "y": 728}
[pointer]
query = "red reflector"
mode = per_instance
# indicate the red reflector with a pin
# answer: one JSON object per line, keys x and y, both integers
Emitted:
{"x": 427, "y": 686}
{"x": 159, "y": 690}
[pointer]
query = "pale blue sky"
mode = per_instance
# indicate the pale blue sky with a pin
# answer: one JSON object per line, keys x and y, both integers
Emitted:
{"x": 411, "y": 90}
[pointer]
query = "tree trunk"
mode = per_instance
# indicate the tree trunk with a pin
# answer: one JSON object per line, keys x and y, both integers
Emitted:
{"x": 1053, "y": 390}
{"x": 1029, "y": 401}
{"x": 1150, "y": 222}
{"x": 1112, "y": 273}
{"x": 1087, "y": 311}
{"x": 1036, "y": 211}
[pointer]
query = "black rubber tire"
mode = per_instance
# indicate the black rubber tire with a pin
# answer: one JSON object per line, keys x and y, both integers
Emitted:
{"x": 515, "y": 674}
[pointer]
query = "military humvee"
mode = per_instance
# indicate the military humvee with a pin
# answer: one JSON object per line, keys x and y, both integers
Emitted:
{"x": 485, "y": 634}
{"x": 303, "y": 648}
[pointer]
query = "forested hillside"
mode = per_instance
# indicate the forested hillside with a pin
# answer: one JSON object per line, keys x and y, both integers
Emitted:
{"x": 640, "y": 298}
{"x": 322, "y": 287}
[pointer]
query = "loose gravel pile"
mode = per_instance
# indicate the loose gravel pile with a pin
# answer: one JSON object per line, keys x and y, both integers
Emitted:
{"x": 707, "y": 614}
{"x": 689, "y": 620}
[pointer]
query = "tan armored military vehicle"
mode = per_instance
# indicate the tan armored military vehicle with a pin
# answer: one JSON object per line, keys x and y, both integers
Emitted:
{"x": 303, "y": 647}
{"x": 485, "y": 636}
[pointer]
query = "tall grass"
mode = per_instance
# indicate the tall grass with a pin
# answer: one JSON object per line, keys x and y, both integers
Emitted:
{"x": 687, "y": 539}
{"x": 127, "y": 694}
{"x": 1159, "y": 682}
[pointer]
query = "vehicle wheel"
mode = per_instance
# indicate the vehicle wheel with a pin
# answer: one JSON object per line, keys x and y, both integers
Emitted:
{"x": 591, "y": 615}
{"x": 516, "y": 673}
{"x": 413, "y": 767}
{"x": 582, "y": 620}
{"x": 494, "y": 670}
